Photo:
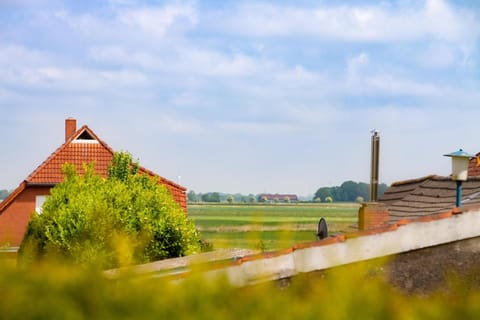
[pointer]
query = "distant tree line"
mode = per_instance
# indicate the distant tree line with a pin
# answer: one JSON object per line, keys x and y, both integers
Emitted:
{"x": 349, "y": 191}
{"x": 219, "y": 197}
{"x": 4, "y": 194}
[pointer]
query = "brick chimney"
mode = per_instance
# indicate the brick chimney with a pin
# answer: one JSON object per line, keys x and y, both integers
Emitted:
{"x": 372, "y": 215}
{"x": 70, "y": 127}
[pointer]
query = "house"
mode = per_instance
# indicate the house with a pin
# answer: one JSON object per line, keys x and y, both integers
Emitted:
{"x": 430, "y": 195}
{"x": 426, "y": 196}
{"x": 80, "y": 146}
{"x": 277, "y": 197}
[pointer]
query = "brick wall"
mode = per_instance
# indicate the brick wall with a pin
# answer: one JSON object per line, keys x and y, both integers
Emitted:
{"x": 372, "y": 215}
{"x": 14, "y": 219}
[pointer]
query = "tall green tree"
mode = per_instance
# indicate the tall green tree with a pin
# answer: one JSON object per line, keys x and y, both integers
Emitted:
{"x": 126, "y": 218}
{"x": 191, "y": 196}
{"x": 348, "y": 191}
{"x": 323, "y": 193}
{"x": 211, "y": 197}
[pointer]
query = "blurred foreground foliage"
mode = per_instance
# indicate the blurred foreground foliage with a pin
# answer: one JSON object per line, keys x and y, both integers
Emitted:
{"x": 59, "y": 291}
{"x": 124, "y": 219}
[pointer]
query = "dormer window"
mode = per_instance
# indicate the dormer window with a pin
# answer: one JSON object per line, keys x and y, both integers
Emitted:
{"x": 85, "y": 137}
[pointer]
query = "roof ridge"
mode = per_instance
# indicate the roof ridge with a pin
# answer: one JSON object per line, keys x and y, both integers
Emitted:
{"x": 414, "y": 180}
{"x": 163, "y": 179}
{"x": 64, "y": 145}
{"x": 12, "y": 195}
{"x": 37, "y": 176}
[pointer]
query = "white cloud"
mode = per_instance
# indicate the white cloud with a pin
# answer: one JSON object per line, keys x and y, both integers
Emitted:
{"x": 88, "y": 25}
{"x": 442, "y": 21}
{"x": 389, "y": 84}
{"x": 352, "y": 23}
{"x": 43, "y": 71}
{"x": 182, "y": 59}
{"x": 125, "y": 23}
{"x": 356, "y": 63}
{"x": 257, "y": 127}
{"x": 178, "y": 125}
{"x": 124, "y": 78}
{"x": 296, "y": 76}
{"x": 156, "y": 21}
{"x": 11, "y": 55}
{"x": 365, "y": 76}
{"x": 127, "y": 56}
{"x": 438, "y": 56}
{"x": 237, "y": 65}
{"x": 302, "y": 77}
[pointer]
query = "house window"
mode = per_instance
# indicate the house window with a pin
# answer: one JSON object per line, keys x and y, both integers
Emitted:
{"x": 85, "y": 137}
{"x": 39, "y": 201}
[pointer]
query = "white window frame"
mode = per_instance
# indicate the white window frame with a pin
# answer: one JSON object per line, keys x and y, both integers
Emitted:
{"x": 39, "y": 201}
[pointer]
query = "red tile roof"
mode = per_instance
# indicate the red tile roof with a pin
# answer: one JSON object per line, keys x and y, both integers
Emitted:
{"x": 78, "y": 151}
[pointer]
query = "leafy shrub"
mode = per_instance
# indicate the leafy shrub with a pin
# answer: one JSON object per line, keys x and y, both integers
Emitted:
{"x": 126, "y": 218}
{"x": 68, "y": 292}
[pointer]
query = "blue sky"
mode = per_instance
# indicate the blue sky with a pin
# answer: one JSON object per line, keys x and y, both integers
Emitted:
{"x": 243, "y": 96}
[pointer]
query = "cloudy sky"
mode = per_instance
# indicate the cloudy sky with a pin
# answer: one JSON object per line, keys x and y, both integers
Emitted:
{"x": 243, "y": 96}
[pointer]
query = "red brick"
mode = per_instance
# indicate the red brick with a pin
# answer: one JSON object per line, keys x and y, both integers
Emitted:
{"x": 372, "y": 215}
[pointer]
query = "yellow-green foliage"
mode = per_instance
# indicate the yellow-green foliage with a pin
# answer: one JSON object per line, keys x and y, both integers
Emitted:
{"x": 48, "y": 291}
{"x": 124, "y": 219}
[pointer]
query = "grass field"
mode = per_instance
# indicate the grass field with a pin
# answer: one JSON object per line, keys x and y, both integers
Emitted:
{"x": 270, "y": 226}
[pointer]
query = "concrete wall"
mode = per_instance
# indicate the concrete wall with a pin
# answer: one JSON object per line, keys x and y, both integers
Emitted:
{"x": 429, "y": 269}
{"x": 401, "y": 238}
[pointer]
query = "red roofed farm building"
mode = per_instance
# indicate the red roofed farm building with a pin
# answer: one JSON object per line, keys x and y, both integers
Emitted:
{"x": 276, "y": 197}
{"x": 81, "y": 146}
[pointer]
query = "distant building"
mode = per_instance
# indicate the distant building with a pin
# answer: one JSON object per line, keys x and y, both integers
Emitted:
{"x": 268, "y": 197}
{"x": 81, "y": 146}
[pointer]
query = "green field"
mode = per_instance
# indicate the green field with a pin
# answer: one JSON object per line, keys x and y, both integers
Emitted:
{"x": 267, "y": 227}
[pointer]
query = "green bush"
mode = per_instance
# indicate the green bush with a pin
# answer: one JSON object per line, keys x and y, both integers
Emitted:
{"x": 67, "y": 292}
{"x": 123, "y": 219}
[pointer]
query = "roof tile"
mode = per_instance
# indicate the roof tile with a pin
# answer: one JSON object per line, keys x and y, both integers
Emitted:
{"x": 79, "y": 152}
{"x": 429, "y": 195}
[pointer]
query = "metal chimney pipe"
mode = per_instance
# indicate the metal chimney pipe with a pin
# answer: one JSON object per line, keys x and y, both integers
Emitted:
{"x": 374, "y": 166}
